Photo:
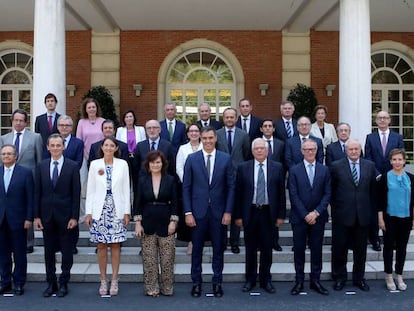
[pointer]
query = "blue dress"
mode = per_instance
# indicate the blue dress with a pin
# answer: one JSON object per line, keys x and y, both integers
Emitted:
{"x": 108, "y": 229}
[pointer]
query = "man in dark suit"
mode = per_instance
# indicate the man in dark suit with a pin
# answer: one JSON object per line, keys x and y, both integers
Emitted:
{"x": 173, "y": 130}
{"x": 377, "y": 149}
{"x": 286, "y": 126}
{"x": 353, "y": 204}
{"x": 293, "y": 147}
{"x": 310, "y": 193}
{"x": 56, "y": 212}
{"x": 235, "y": 142}
{"x": 73, "y": 146}
{"x": 108, "y": 130}
{"x": 260, "y": 206}
{"x": 248, "y": 122}
{"x": 208, "y": 199}
{"x": 46, "y": 124}
{"x": 204, "y": 111}
{"x": 29, "y": 152}
{"x": 16, "y": 216}
{"x": 276, "y": 153}
{"x": 336, "y": 150}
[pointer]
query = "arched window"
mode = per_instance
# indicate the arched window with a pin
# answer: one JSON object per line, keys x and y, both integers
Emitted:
{"x": 16, "y": 73}
{"x": 393, "y": 91}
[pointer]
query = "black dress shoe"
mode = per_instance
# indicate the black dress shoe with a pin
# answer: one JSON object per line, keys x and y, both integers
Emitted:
{"x": 268, "y": 287}
{"x": 376, "y": 246}
{"x": 339, "y": 285}
{"x": 277, "y": 248}
{"x": 50, "y": 290}
{"x": 63, "y": 290}
{"x": 248, "y": 286}
{"x": 18, "y": 290}
{"x": 75, "y": 251}
{"x": 196, "y": 290}
{"x": 317, "y": 287}
{"x": 5, "y": 289}
{"x": 297, "y": 288}
{"x": 235, "y": 249}
{"x": 29, "y": 250}
{"x": 217, "y": 290}
{"x": 362, "y": 285}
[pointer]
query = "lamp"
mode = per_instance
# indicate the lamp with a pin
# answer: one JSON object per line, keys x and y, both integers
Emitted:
{"x": 329, "y": 89}
{"x": 263, "y": 89}
{"x": 71, "y": 88}
{"x": 138, "y": 89}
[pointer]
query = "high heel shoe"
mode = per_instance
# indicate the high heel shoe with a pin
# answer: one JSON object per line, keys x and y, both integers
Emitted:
{"x": 400, "y": 283}
{"x": 103, "y": 289}
{"x": 389, "y": 282}
{"x": 113, "y": 291}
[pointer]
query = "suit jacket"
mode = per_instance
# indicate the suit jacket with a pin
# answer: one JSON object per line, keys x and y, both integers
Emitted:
{"x": 73, "y": 151}
{"x": 280, "y": 129}
{"x": 16, "y": 205}
{"x": 353, "y": 204}
{"x": 96, "y": 189}
{"x": 61, "y": 202}
{"x": 179, "y": 136}
{"x": 213, "y": 123}
{"x": 330, "y": 133}
{"x": 245, "y": 190}
{"x": 334, "y": 152}
{"x": 241, "y": 145}
{"x": 31, "y": 148}
{"x": 42, "y": 127}
{"x": 305, "y": 198}
{"x": 278, "y": 151}
{"x": 373, "y": 149}
{"x": 255, "y": 124}
{"x": 199, "y": 195}
{"x": 293, "y": 152}
{"x": 94, "y": 152}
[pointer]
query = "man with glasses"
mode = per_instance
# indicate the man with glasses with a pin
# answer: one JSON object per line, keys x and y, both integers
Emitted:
{"x": 293, "y": 148}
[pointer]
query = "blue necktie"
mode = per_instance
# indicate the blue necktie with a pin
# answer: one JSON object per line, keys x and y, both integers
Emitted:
{"x": 17, "y": 144}
{"x": 208, "y": 167}
{"x": 55, "y": 173}
{"x": 229, "y": 143}
{"x": 153, "y": 145}
{"x": 261, "y": 186}
{"x": 355, "y": 174}
{"x": 311, "y": 173}
{"x": 288, "y": 130}
{"x": 6, "y": 178}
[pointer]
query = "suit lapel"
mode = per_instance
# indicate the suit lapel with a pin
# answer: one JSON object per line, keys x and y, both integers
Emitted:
{"x": 2, "y": 190}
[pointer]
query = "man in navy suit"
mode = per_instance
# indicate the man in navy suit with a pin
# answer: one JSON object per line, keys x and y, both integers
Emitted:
{"x": 377, "y": 149}
{"x": 16, "y": 216}
{"x": 208, "y": 199}
{"x": 46, "y": 124}
{"x": 173, "y": 130}
{"x": 293, "y": 147}
{"x": 310, "y": 193}
{"x": 286, "y": 126}
{"x": 73, "y": 146}
{"x": 248, "y": 122}
{"x": 56, "y": 212}
{"x": 353, "y": 204}
{"x": 204, "y": 111}
{"x": 260, "y": 207}
{"x": 336, "y": 150}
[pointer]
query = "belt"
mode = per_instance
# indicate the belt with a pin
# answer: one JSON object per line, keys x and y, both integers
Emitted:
{"x": 263, "y": 206}
{"x": 158, "y": 203}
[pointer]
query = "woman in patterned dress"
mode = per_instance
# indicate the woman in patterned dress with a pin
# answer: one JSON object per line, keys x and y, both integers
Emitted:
{"x": 155, "y": 216}
{"x": 108, "y": 208}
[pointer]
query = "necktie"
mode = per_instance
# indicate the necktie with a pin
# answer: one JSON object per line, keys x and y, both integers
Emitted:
{"x": 354, "y": 173}
{"x": 17, "y": 144}
{"x": 6, "y": 178}
{"x": 288, "y": 129}
{"x": 55, "y": 173}
{"x": 311, "y": 173}
{"x": 384, "y": 143}
{"x": 208, "y": 167}
{"x": 343, "y": 148}
{"x": 153, "y": 145}
{"x": 49, "y": 122}
{"x": 229, "y": 143}
{"x": 303, "y": 139}
{"x": 205, "y": 124}
{"x": 170, "y": 130}
{"x": 260, "y": 190}
{"x": 270, "y": 148}
{"x": 245, "y": 124}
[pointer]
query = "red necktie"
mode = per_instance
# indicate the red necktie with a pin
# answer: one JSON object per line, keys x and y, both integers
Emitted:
{"x": 49, "y": 121}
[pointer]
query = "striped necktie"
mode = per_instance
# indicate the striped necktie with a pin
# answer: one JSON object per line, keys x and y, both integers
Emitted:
{"x": 355, "y": 173}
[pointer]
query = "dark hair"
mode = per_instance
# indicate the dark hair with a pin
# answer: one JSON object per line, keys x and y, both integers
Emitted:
{"x": 230, "y": 108}
{"x": 55, "y": 135}
{"x": 319, "y": 107}
{"x": 117, "y": 153}
{"x": 193, "y": 124}
{"x": 266, "y": 120}
{"x": 107, "y": 121}
{"x": 244, "y": 99}
{"x": 9, "y": 145}
{"x": 401, "y": 151}
{"x": 51, "y": 95}
{"x": 208, "y": 129}
{"x": 151, "y": 157}
{"x": 124, "y": 115}
{"x": 21, "y": 111}
{"x": 85, "y": 102}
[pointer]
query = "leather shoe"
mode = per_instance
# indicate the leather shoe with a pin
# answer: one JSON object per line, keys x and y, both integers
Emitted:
{"x": 277, "y": 248}
{"x": 248, "y": 286}
{"x": 268, "y": 287}
{"x": 75, "y": 251}
{"x": 217, "y": 290}
{"x": 63, "y": 290}
{"x": 297, "y": 288}
{"x": 235, "y": 249}
{"x": 376, "y": 246}
{"x": 362, "y": 285}
{"x": 5, "y": 289}
{"x": 196, "y": 290}
{"x": 317, "y": 287}
{"x": 50, "y": 290}
{"x": 339, "y": 285}
{"x": 29, "y": 250}
{"x": 18, "y": 290}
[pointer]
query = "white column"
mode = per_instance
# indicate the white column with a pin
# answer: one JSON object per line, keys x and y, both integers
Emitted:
{"x": 49, "y": 64}
{"x": 355, "y": 67}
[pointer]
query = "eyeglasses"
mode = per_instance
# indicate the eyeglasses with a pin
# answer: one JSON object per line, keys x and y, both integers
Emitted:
{"x": 65, "y": 125}
{"x": 303, "y": 124}
{"x": 383, "y": 118}
{"x": 7, "y": 153}
{"x": 152, "y": 127}
{"x": 309, "y": 149}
